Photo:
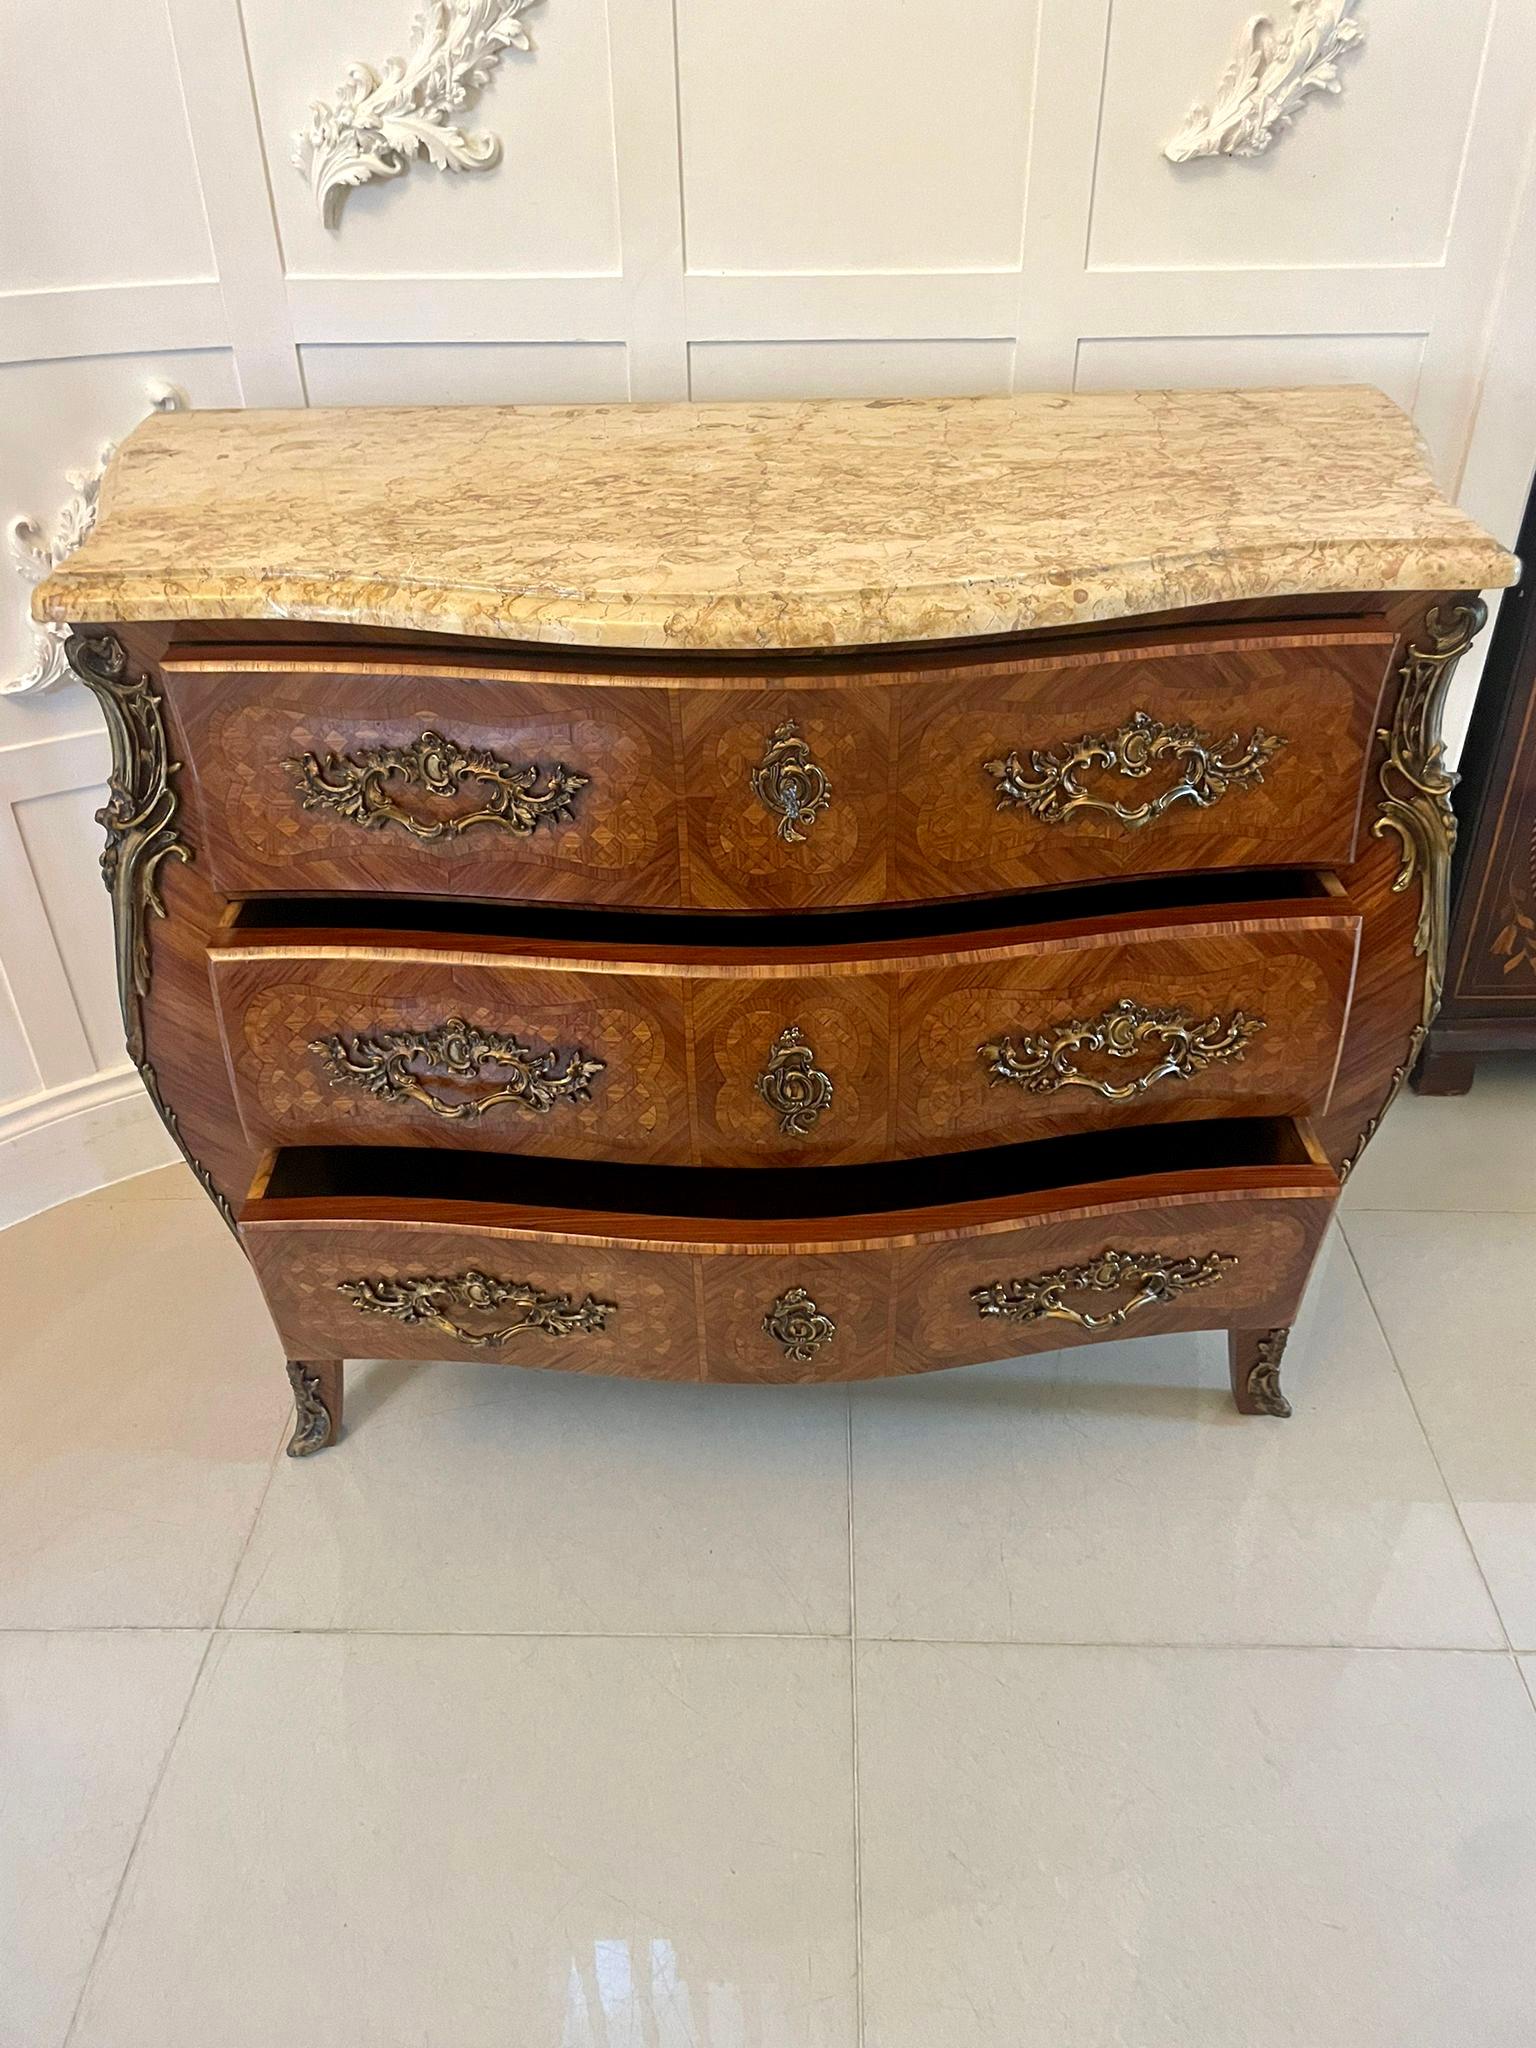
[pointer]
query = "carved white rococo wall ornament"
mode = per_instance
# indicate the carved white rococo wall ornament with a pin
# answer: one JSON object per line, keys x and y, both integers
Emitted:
{"x": 1274, "y": 71}
{"x": 379, "y": 122}
{"x": 36, "y": 552}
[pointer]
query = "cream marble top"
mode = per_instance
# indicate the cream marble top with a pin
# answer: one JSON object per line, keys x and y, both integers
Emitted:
{"x": 785, "y": 525}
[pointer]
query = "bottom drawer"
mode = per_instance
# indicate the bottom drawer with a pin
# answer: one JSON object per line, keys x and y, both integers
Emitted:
{"x": 847, "y": 1273}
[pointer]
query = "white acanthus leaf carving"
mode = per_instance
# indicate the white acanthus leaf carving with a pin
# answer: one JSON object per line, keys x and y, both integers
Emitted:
{"x": 1274, "y": 71}
{"x": 380, "y": 121}
{"x": 37, "y": 554}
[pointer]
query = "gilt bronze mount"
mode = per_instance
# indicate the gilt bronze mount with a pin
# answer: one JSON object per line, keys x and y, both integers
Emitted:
{"x": 1415, "y": 809}
{"x": 382, "y": 1064}
{"x": 790, "y": 784}
{"x": 1182, "y": 1043}
{"x": 1208, "y": 769}
{"x": 357, "y": 787}
{"x": 1153, "y": 1278}
{"x": 142, "y": 831}
{"x": 139, "y": 816}
{"x": 1264, "y": 1375}
{"x": 799, "y": 1326}
{"x": 312, "y": 1425}
{"x": 792, "y": 1084}
{"x": 439, "y": 1303}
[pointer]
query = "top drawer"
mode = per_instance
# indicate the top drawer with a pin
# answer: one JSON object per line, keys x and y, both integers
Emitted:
{"x": 801, "y": 785}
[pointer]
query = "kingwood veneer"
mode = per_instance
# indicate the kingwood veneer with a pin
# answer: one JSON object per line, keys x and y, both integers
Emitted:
{"x": 1029, "y": 812}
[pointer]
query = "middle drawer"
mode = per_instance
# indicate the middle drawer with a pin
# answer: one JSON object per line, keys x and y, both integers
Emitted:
{"x": 718, "y": 1054}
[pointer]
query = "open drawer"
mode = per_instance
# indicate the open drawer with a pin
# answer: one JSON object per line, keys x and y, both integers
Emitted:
{"x": 849, "y": 1273}
{"x": 629, "y": 1038}
{"x": 782, "y": 783}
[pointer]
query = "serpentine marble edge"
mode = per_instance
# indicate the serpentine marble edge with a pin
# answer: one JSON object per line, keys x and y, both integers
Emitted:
{"x": 816, "y": 524}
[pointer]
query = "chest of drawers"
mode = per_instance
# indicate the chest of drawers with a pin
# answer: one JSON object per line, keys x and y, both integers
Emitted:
{"x": 539, "y": 839}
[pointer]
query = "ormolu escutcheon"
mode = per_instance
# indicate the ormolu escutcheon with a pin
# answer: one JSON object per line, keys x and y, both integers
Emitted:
{"x": 790, "y": 784}
{"x": 792, "y": 1084}
{"x": 796, "y": 1323}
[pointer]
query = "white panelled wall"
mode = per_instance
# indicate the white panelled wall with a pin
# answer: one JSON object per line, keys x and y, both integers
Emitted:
{"x": 707, "y": 198}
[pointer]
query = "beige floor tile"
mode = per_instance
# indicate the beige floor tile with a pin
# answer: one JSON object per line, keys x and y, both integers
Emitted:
{"x": 1196, "y": 1848}
{"x": 1457, "y": 1297}
{"x": 164, "y": 1184}
{"x": 1474, "y": 1151}
{"x": 473, "y": 1498}
{"x": 85, "y": 1724}
{"x": 464, "y": 1842}
{"x": 141, "y": 1401}
{"x": 1113, "y": 1494}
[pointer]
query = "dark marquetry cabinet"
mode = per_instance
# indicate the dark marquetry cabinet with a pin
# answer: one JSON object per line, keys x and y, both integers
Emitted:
{"x": 1490, "y": 980}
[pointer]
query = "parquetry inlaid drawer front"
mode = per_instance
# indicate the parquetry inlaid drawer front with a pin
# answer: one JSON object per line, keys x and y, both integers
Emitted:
{"x": 731, "y": 1055}
{"x": 810, "y": 784}
{"x": 670, "y": 1297}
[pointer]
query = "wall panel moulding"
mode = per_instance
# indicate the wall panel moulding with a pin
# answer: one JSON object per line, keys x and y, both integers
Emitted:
{"x": 1274, "y": 72}
{"x": 379, "y": 122}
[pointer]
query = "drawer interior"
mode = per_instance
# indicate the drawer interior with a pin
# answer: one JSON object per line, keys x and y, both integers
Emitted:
{"x": 1236, "y": 1152}
{"x": 758, "y": 930}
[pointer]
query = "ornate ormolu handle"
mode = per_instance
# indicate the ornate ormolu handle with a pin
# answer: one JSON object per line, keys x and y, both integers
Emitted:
{"x": 796, "y": 1323}
{"x": 1208, "y": 770}
{"x": 380, "y": 1065}
{"x": 790, "y": 784}
{"x": 418, "y": 1301}
{"x": 1044, "y": 1061}
{"x": 792, "y": 1084}
{"x": 1153, "y": 1277}
{"x": 354, "y": 786}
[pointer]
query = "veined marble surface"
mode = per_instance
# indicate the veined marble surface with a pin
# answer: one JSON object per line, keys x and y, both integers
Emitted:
{"x": 770, "y": 525}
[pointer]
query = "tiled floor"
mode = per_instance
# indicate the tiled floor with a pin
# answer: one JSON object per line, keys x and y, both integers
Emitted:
{"x": 1048, "y": 1704}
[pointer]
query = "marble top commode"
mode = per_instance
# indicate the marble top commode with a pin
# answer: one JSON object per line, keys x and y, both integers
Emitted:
{"x": 788, "y": 525}
{"x": 500, "y": 993}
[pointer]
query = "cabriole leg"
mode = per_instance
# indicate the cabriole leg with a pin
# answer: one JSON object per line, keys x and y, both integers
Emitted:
{"x": 1255, "y": 1358}
{"x": 316, "y": 1384}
